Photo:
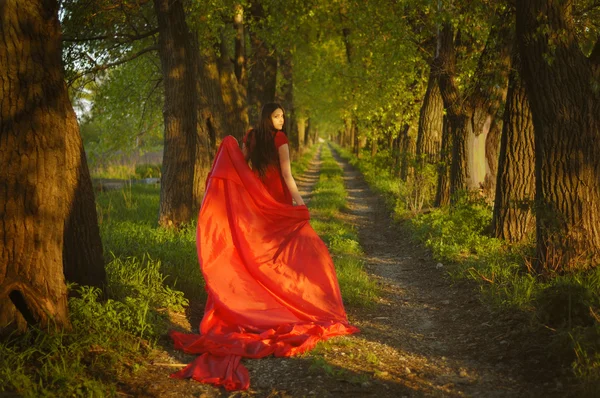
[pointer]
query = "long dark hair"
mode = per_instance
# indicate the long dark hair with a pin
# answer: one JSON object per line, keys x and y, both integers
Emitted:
{"x": 260, "y": 143}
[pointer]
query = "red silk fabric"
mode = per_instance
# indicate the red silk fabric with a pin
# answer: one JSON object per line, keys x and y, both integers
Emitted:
{"x": 271, "y": 284}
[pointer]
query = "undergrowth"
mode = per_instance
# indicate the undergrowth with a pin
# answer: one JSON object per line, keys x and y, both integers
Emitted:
{"x": 568, "y": 305}
{"x": 108, "y": 341}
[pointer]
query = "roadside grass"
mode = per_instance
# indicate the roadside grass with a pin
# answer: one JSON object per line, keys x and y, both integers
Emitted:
{"x": 329, "y": 198}
{"x": 109, "y": 339}
{"x": 568, "y": 305}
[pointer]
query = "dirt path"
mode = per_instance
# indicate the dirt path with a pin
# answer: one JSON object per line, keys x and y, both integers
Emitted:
{"x": 444, "y": 342}
{"x": 426, "y": 337}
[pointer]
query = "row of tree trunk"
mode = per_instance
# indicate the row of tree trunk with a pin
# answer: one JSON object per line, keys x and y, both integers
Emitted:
{"x": 523, "y": 135}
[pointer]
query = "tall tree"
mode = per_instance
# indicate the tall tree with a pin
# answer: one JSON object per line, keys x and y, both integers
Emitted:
{"x": 262, "y": 65}
{"x": 513, "y": 216}
{"x": 44, "y": 184}
{"x": 286, "y": 97}
{"x": 429, "y": 135}
{"x": 562, "y": 87}
{"x": 180, "y": 112}
{"x": 442, "y": 195}
{"x": 234, "y": 80}
{"x": 472, "y": 113}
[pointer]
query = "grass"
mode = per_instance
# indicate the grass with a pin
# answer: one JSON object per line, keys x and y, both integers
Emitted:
{"x": 569, "y": 305}
{"x": 328, "y": 200}
{"x": 127, "y": 171}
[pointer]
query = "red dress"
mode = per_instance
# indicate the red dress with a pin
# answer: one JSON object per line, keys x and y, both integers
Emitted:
{"x": 273, "y": 179}
{"x": 270, "y": 281}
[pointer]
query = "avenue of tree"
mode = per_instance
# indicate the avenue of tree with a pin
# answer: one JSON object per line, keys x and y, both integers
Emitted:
{"x": 500, "y": 99}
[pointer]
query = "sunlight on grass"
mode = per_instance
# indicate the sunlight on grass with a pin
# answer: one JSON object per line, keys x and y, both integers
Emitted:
{"x": 329, "y": 198}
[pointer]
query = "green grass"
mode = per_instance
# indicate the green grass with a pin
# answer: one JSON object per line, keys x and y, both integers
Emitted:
{"x": 457, "y": 236}
{"x": 108, "y": 341}
{"x": 128, "y": 225}
{"x": 329, "y": 198}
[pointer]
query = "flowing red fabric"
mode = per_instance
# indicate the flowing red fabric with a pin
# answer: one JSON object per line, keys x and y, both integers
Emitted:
{"x": 271, "y": 284}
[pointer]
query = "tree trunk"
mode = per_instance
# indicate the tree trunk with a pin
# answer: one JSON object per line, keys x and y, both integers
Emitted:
{"x": 487, "y": 97}
{"x": 457, "y": 113}
{"x": 287, "y": 99}
{"x": 307, "y": 132}
{"x": 492, "y": 153}
{"x": 471, "y": 119}
{"x": 429, "y": 135}
{"x": 233, "y": 89}
{"x": 215, "y": 119}
{"x": 302, "y": 123}
{"x": 180, "y": 113}
{"x": 240, "y": 47}
{"x": 442, "y": 196}
{"x": 515, "y": 190}
{"x": 373, "y": 147}
{"x": 262, "y": 80}
{"x": 408, "y": 148}
{"x": 37, "y": 191}
{"x": 565, "y": 106}
{"x": 83, "y": 260}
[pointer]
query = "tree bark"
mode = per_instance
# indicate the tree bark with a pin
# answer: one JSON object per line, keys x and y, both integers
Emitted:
{"x": 565, "y": 105}
{"x": 286, "y": 98}
{"x": 442, "y": 195}
{"x": 83, "y": 259}
{"x": 513, "y": 216}
{"x": 408, "y": 149}
{"x": 240, "y": 46}
{"x": 180, "y": 114}
{"x": 302, "y": 123}
{"x": 214, "y": 119}
{"x": 457, "y": 112}
{"x": 37, "y": 124}
{"x": 262, "y": 79}
{"x": 472, "y": 118}
{"x": 487, "y": 97}
{"x": 429, "y": 135}
{"x": 233, "y": 87}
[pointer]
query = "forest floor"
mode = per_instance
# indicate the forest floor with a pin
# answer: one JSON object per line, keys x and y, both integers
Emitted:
{"x": 427, "y": 336}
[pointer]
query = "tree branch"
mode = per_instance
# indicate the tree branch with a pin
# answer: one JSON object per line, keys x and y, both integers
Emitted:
{"x": 99, "y": 68}
{"x": 129, "y": 38}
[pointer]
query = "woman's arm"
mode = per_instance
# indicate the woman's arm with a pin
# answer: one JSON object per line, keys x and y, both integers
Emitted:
{"x": 286, "y": 171}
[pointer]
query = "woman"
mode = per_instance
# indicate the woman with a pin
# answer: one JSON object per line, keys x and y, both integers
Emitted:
{"x": 270, "y": 281}
{"x": 266, "y": 150}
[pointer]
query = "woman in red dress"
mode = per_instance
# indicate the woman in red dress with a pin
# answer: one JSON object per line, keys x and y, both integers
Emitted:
{"x": 267, "y": 151}
{"x": 270, "y": 281}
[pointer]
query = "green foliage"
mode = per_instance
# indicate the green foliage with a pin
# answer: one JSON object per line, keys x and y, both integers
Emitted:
{"x": 456, "y": 233}
{"x": 128, "y": 225}
{"x": 148, "y": 170}
{"x": 126, "y": 112}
